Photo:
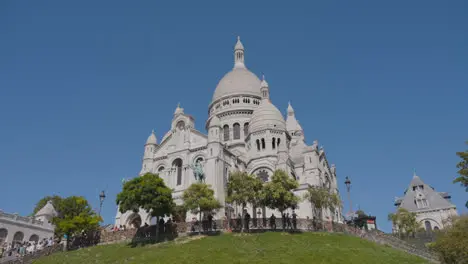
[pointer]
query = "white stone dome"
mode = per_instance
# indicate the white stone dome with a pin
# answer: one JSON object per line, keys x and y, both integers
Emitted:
{"x": 266, "y": 116}
{"x": 239, "y": 81}
{"x": 151, "y": 139}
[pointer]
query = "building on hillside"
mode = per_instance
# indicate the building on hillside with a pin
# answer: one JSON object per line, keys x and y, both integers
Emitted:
{"x": 433, "y": 209}
{"x": 15, "y": 228}
{"x": 245, "y": 132}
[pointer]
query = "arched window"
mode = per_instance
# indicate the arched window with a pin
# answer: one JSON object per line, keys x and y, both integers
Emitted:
{"x": 18, "y": 237}
{"x": 246, "y": 129}
{"x": 428, "y": 226}
{"x": 160, "y": 171}
{"x": 3, "y": 235}
{"x": 34, "y": 238}
{"x": 226, "y": 132}
{"x": 236, "y": 131}
{"x": 258, "y": 144}
{"x": 263, "y": 175}
{"x": 263, "y": 143}
{"x": 177, "y": 164}
{"x": 278, "y": 142}
{"x": 436, "y": 228}
{"x": 273, "y": 143}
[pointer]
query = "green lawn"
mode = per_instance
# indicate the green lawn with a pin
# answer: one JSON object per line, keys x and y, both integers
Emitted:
{"x": 234, "y": 248}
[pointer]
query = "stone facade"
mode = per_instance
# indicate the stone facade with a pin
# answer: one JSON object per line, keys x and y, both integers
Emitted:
{"x": 245, "y": 132}
{"x": 434, "y": 210}
{"x": 16, "y": 228}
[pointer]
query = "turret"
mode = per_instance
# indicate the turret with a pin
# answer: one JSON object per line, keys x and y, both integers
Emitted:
{"x": 239, "y": 54}
{"x": 46, "y": 213}
{"x": 214, "y": 136}
{"x": 264, "y": 88}
{"x": 150, "y": 147}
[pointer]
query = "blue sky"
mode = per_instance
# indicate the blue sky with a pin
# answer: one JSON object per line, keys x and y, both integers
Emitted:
{"x": 381, "y": 84}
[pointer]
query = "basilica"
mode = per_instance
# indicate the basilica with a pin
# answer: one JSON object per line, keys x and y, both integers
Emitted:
{"x": 245, "y": 131}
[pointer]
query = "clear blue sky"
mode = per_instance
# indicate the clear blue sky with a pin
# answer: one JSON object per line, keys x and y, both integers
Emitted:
{"x": 383, "y": 86}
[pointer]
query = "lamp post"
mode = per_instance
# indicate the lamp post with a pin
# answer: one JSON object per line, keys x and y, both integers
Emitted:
{"x": 348, "y": 188}
{"x": 102, "y": 196}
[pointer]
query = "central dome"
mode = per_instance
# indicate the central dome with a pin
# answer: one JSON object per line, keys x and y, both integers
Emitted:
{"x": 239, "y": 81}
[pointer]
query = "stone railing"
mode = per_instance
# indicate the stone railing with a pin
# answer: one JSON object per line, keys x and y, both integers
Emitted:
{"x": 16, "y": 217}
{"x": 382, "y": 238}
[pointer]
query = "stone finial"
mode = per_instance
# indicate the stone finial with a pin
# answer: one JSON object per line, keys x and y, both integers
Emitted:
{"x": 179, "y": 110}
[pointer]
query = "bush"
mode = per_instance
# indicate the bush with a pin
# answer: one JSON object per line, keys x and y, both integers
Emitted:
{"x": 452, "y": 244}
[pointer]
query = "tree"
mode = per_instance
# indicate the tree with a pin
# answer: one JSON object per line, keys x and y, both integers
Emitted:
{"x": 463, "y": 170}
{"x": 405, "y": 222}
{"x": 179, "y": 213}
{"x": 55, "y": 202}
{"x": 242, "y": 189}
{"x": 361, "y": 213}
{"x": 75, "y": 215}
{"x": 452, "y": 243}
{"x": 278, "y": 193}
{"x": 321, "y": 198}
{"x": 199, "y": 197}
{"x": 147, "y": 192}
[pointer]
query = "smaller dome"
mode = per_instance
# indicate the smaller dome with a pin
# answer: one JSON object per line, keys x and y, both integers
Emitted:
{"x": 215, "y": 121}
{"x": 266, "y": 116}
{"x": 151, "y": 139}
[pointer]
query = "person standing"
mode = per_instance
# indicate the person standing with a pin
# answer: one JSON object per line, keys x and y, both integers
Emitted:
{"x": 294, "y": 220}
{"x": 210, "y": 222}
{"x": 247, "y": 221}
{"x": 273, "y": 222}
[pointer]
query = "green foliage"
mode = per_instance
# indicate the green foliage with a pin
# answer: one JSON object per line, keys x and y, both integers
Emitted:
{"x": 405, "y": 221}
{"x": 74, "y": 216}
{"x": 264, "y": 248}
{"x": 277, "y": 193}
{"x": 322, "y": 198}
{"x": 55, "y": 202}
{"x": 452, "y": 242}
{"x": 243, "y": 188}
{"x": 147, "y": 192}
{"x": 179, "y": 213}
{"x": 463, "y": 170}
{"x": 361, "y": 213}
{"x": 200, "y": 196}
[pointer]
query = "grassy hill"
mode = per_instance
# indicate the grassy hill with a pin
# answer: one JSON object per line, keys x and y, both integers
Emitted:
{"x": 273, "y": 247}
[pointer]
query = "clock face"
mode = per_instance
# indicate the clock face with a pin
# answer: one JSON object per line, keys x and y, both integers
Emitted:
{"x": 180, "y": 125}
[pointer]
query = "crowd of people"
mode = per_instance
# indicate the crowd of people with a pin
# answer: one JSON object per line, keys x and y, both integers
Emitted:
{"x": 21, "y": 249}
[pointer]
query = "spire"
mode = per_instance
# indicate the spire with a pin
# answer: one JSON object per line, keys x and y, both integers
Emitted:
{"x": 414, "y": 173}
{"x": 290, "y": 109}
{"x": 264, "y": 88}
{"x": 239, "y": 54}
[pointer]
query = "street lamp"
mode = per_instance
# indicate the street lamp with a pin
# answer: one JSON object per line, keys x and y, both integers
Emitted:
{"x": 102, "y": 196}
{"x": 348, "y": 188}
